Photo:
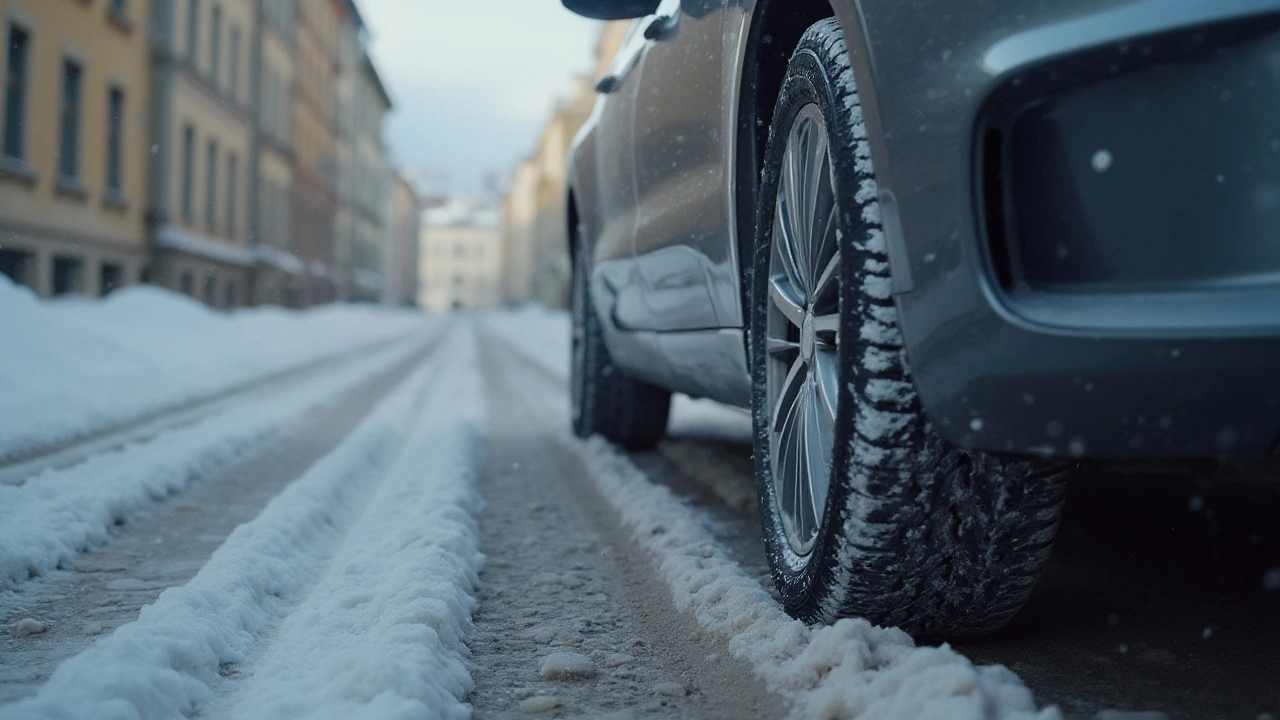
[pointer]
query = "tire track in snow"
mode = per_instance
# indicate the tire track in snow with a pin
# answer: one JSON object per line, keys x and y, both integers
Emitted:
{"x": 850, "y": 669}
{"x": 59, "y": 514}
{"x": 164, "y": 547}
{"x": 170, "y": 661}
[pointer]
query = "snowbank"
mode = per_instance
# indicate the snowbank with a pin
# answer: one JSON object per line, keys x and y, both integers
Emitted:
{"x": 60, "y": 513}
{"x": 74, "y": 366}
{"x": 380, "y": 634}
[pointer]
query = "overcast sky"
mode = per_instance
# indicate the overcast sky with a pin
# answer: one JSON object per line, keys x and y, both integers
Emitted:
{"x": 473, "y": 81}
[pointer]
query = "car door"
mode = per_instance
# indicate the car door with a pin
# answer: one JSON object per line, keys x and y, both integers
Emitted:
{"x": 683, "y": 237}
{"x": 615, "y": 280}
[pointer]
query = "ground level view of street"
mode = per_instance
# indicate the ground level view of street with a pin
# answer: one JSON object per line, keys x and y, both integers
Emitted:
{"x": 350, "y": 512}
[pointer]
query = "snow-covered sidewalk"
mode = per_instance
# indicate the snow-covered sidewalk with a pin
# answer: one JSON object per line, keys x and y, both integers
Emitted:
{"x": 75, "y": 366}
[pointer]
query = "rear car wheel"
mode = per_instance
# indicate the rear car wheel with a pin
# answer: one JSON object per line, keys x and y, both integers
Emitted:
{"x": 603, "y": 400}
{"x": 866, "y": 511}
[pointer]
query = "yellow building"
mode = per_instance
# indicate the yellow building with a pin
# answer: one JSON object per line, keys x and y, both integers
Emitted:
{"x": 536, "y": 264}
{"x": 201, "y": 141}
{"x": 460, "y": 258}
{"x": 73, "y": 166}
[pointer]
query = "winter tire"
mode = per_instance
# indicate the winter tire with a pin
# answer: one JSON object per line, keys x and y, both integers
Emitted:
{"x": 866, "y": 511}
{"x": 624, "y": 410}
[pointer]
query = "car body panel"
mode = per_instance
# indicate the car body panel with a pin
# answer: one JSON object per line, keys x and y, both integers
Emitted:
{"x": 1177, "y": 374}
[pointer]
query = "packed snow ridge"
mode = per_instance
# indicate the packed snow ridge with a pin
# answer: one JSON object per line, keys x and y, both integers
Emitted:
{"x": 349, "y": 596}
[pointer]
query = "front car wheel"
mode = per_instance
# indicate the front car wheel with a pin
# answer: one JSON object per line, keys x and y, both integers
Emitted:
{"x": 866, "y": 511}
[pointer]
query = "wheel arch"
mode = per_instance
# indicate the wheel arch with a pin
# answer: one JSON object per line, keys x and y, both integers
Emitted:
{"x": 764, "y": 64}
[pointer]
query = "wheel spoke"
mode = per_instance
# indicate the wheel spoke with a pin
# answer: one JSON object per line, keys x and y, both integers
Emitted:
{"x": 789, "y": 307}
{"x": 815, "y": 183}
{"x": 784, "y": 247}
{"x": 797, "y": 206}
{"x": 826, "y": 284}
{"x": 826, "y": 377}
{"x": 779, "y": 348}
{"x": 788, "y": 392}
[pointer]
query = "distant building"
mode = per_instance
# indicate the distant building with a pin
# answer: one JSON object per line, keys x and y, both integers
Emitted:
{"x": 460, "y": 257}
{"x": 73, "y": 156}
{"x": 535, "y": 221}
{"x": 402, "y": 251}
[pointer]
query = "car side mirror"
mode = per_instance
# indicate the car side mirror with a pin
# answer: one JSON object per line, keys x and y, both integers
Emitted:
{"x": 612, "y": 9}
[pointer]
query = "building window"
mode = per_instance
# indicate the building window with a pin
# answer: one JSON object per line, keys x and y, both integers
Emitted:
{"x": 232, "y": 171}
{"x": 234, "y": 79}
{"x": 186, "y": 283}
{"x": 66, "y": 275}
{"x": 215, "y": 45}
{"x": 193, "y": 30}
{"x": 229, "y": 295}
{"x": 188, "y": 172}
{"x": 109, "y": 277}
{"x": 115, "y": 140}
{"x": 210, "y": 288}
{"x": 15, "y": 91}
{"x": 211, "y": 185}
{"x": 68, "y": 158}
{"x": 15, "y": 264}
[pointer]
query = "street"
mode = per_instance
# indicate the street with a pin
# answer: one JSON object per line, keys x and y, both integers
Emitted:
{"x": 411, "y": 530}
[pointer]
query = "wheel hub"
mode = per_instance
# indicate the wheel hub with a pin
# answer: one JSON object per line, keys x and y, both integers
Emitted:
{"x": 807, "y": 338}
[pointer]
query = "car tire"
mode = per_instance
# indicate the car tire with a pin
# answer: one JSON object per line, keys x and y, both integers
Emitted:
{"x": 603, "y": 399}
{"x": 909, "y": 530}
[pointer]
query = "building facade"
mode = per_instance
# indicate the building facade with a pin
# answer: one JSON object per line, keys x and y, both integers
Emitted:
{"x": 226, "y": 149}
{"x": 201, "y": 133}
{"x": 460, "y": 261}
{"x": 73, "y": 159}
{"x": 314, "y": 145}
{"x": 279, "y": 274}
{"x": 402, "y": 251}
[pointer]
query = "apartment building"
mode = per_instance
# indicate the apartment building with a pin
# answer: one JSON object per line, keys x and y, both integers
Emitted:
{"x": 194, "y": 144}
{"x": 371, "y": 223}
{"x": 402, "y": 247}
{"x": 202, "y": 131}
{"x": 73, "y": 164}
{"x": 279, "y": 275}
{"x": 314, "y": 145}
{"x": 460, "y": 265}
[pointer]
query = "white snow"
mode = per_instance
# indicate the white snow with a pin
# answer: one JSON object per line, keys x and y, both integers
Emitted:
{"x": 60, "y": 513}
{"x": 74, "y": 366}
{"x": 350, "y": 594}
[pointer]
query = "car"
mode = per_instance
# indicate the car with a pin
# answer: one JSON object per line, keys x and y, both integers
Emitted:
{"x": 944, "y": 253}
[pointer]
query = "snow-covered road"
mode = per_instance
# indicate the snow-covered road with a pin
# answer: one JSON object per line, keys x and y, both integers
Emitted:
{"x": 409, "y": 530}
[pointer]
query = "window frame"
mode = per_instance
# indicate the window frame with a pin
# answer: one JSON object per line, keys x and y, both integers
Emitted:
{"x": 15, "y": 98}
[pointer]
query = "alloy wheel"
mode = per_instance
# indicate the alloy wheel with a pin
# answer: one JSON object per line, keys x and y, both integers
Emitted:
{"x": 802, "y": 331}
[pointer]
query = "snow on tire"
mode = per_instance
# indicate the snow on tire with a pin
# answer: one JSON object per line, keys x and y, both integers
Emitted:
{"x": 914, "y": 532}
